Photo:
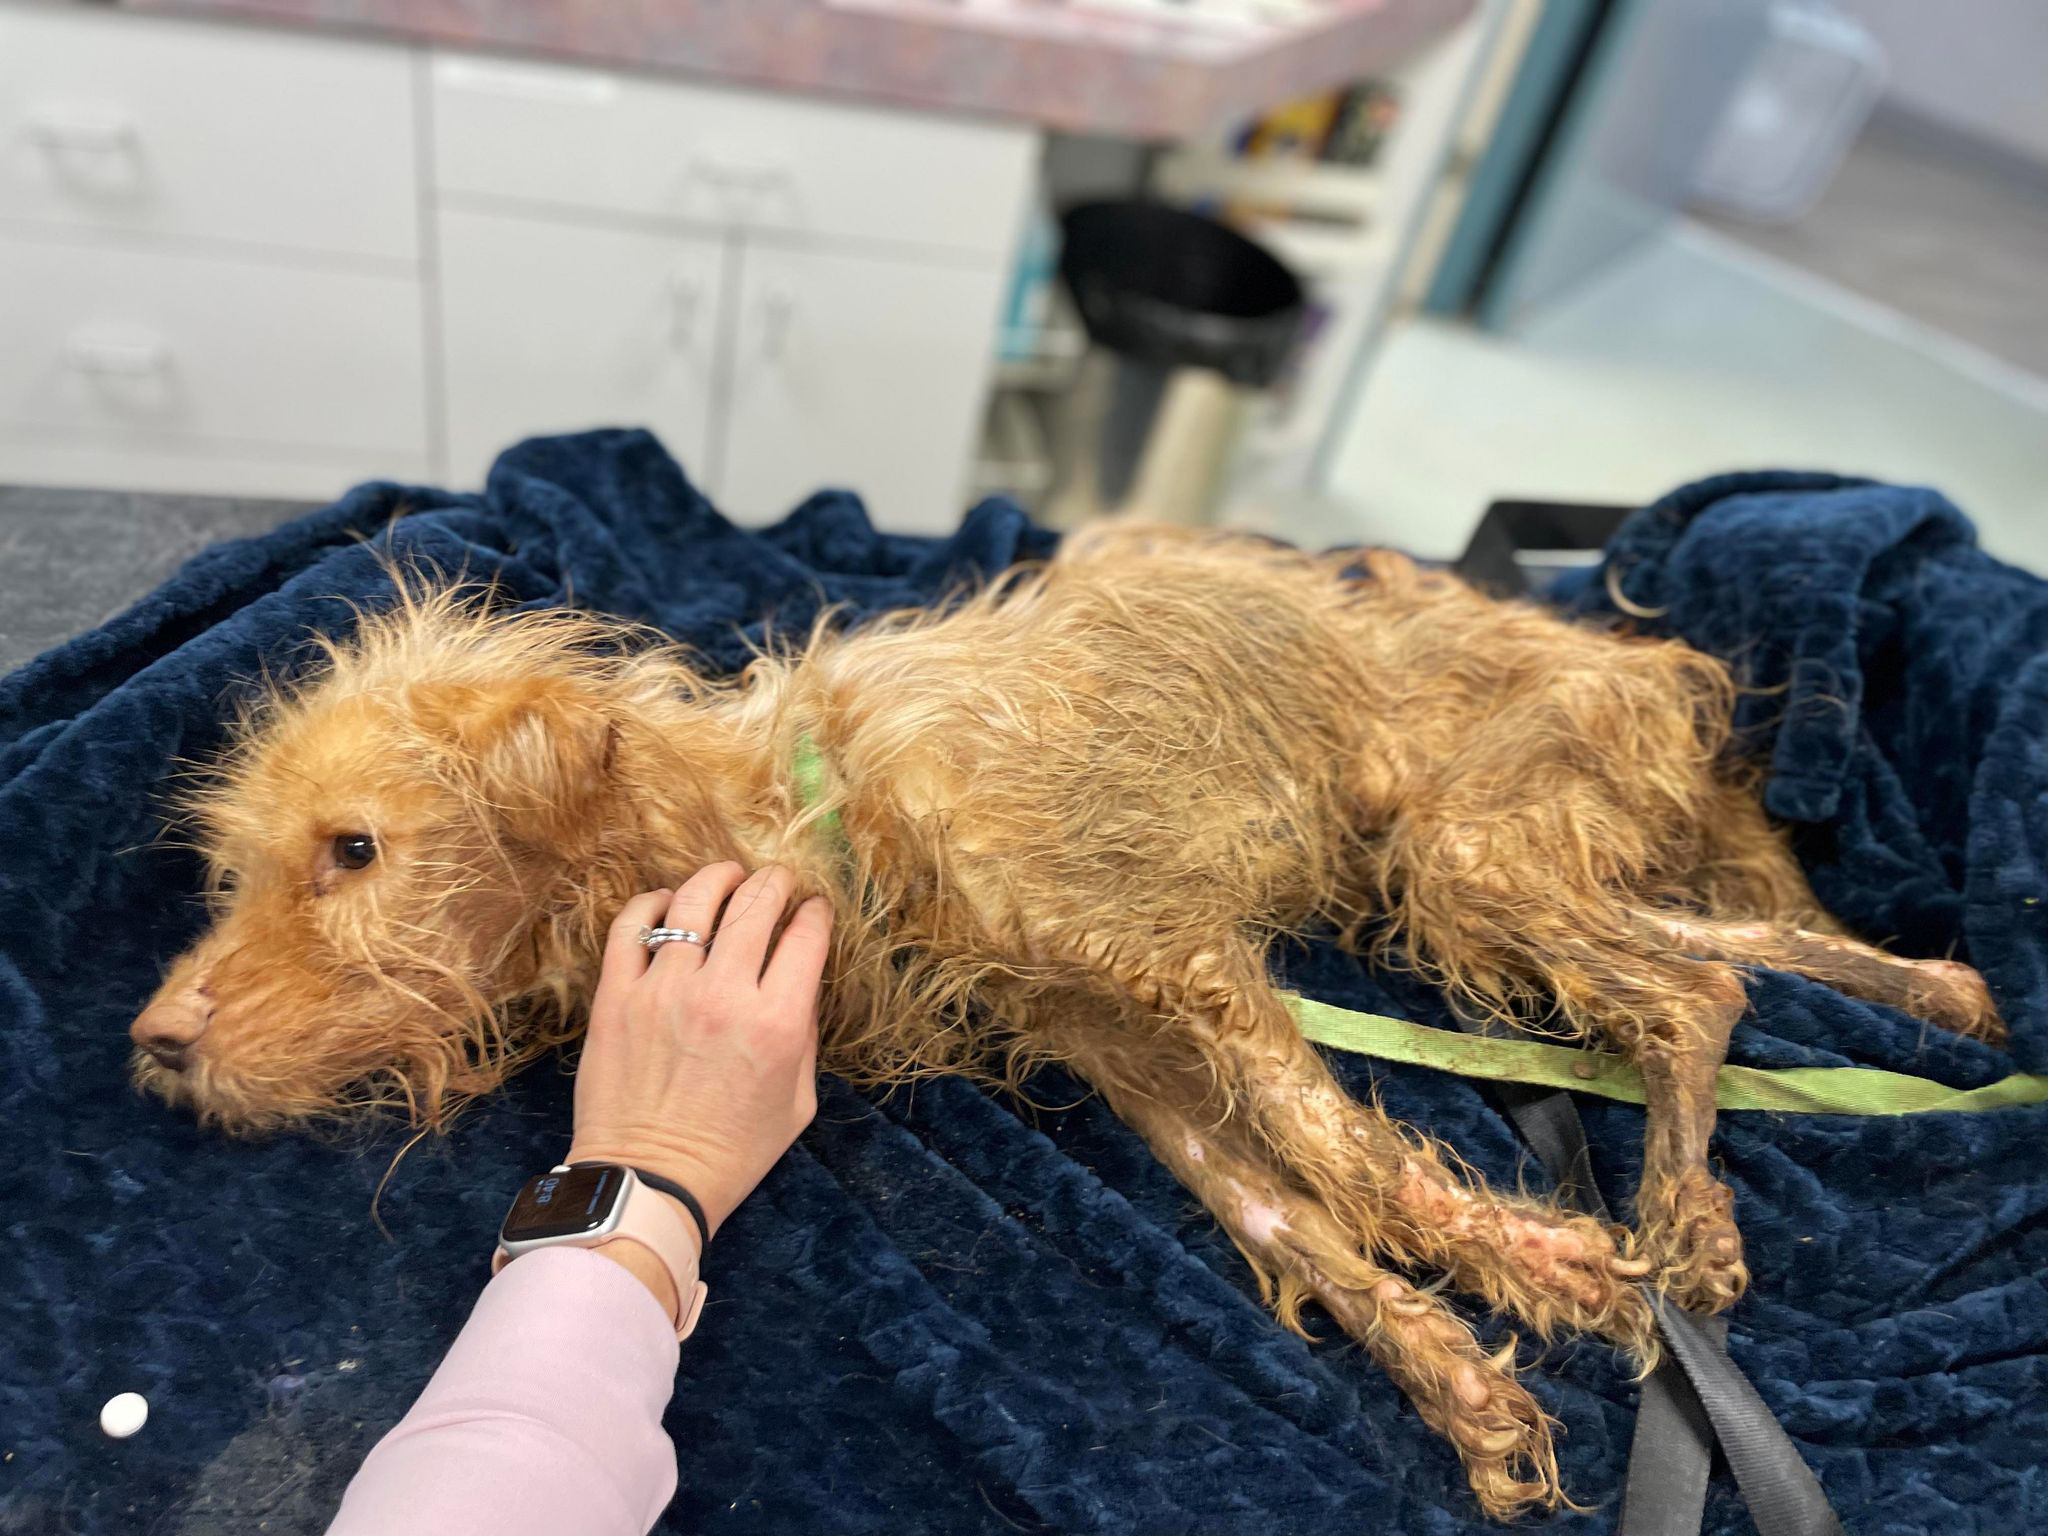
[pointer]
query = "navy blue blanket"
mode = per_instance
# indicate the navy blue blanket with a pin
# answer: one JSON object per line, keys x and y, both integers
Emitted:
{"x": 947, "y": 1312}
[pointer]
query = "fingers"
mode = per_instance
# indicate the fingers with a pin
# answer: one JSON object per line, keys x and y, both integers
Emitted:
{"x": 695, "y": 907}
{"x": 795, "y": 973}
{"x": 625, "y": 957}
{"x": 797, "y": 968}
{"x": 749, "y": 923}
{"x": 753, "y": 905}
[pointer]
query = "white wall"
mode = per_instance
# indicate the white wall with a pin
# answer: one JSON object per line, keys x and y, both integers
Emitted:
{"x": 1980, "y": 66}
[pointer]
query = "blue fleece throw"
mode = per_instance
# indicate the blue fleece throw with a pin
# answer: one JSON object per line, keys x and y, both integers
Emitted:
{"x": 945, "y": 1312}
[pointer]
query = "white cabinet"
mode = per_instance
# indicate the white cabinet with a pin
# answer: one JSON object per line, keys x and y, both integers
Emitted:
{"x": 249, "y": 261}
{"x": 841, "y": 271}
{"x": 209, "y": 258}
{"x": 856, "y": 371}
{"x": 552, "y": 327}
{"x": 626, "y": 144}
{"x": 191, "y": 131}
{"x": 124, "y": 347}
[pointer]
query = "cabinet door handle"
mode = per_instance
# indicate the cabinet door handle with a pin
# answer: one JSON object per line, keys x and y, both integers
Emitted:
{"x": 744, "y": 190}
{"x": 79, "y": 133}
{"x": 757, "y": 176}
{"x": 118, "y": 358}
{"x": 568, "y": 87}
{"x": 778, "y": 312}
{"x": 685, "y": 298}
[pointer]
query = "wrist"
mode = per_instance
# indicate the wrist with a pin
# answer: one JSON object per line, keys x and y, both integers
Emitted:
{"x": 629, "y": 1222}
{"x": 673, "y": 1163}
{"x": 641, "y": 1262}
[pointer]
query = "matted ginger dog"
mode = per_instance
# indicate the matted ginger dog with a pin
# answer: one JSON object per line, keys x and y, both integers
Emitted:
{"x": 1072, "y": 812}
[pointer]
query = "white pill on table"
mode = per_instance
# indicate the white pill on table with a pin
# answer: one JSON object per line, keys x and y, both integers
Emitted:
{"x": 125, "y": 1413}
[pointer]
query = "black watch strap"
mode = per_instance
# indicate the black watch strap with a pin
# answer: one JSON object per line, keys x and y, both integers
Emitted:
{"x": 676, "y": 1192}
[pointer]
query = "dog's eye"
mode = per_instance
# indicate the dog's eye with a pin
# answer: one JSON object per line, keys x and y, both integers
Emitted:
{"x": 355, "y": 850}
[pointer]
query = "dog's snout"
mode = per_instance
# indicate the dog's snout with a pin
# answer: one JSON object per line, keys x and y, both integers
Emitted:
{"x": 169, "y": 1028}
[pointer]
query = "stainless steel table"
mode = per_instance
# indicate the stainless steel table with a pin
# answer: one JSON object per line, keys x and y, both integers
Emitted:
{"x": 70, "y": 559}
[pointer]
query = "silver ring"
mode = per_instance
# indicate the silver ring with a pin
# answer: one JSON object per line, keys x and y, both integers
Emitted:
{"x": 654, "y": 938}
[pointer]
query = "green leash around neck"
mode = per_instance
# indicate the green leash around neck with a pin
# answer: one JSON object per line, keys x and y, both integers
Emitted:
{"x": 807, "y": 773}
{"x": 1508, "y": 1059}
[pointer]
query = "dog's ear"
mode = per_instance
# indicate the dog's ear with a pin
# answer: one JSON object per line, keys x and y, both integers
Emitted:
{"x": 535, "y": 751}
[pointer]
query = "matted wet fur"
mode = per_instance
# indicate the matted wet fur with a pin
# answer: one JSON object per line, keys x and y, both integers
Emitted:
{"x": 1073, "y": 810}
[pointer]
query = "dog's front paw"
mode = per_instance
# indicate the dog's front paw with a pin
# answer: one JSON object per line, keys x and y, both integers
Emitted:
{"x": 1558, "y": 1270}
{"x": 1503, "y": 1437}
{"x": 1564, "y": 1271}
{"x": 1688, "y": 1231}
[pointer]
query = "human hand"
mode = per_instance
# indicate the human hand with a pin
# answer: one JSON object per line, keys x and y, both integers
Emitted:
{"x": 702, "y": 1065}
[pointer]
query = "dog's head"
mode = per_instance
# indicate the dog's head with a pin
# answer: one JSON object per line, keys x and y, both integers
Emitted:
{"x": 400, "y": 851}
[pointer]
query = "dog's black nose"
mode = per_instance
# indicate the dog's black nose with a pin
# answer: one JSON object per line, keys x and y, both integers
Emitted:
{"x": 172, "y": 1054}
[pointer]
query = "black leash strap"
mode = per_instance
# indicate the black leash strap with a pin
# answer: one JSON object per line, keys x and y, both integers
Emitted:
{"x": 1784, "y": 1497}
{"x": 1696, "y": 1395}
{"x": 1671, "y": 1455}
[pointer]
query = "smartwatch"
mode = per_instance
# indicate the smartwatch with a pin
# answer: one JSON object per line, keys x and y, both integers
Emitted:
{"x": 586, "y": 1205}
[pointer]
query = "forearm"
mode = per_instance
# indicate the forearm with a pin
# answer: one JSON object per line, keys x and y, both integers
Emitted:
{"x": 545, "y": 1416}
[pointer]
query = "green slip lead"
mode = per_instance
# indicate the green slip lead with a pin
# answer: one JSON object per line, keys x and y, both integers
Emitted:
{"x": 807, "y": 773}
{"x": 1784, "y": 1090}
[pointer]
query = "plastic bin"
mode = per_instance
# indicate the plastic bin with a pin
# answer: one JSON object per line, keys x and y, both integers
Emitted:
{"x": 1811, "y": 88}
{"x": 1186, "y": 319}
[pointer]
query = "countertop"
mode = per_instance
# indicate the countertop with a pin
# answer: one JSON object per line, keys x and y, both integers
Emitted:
{"x": 73, "y": 559}
{"x": 1078, "y": 72}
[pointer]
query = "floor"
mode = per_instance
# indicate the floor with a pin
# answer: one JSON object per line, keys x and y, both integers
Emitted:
{"x": 1918, "y": 219}
{"x": 1695, "y": 354}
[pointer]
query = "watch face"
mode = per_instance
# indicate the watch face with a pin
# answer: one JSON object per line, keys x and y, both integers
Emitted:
{"x": 567, "y": 1204}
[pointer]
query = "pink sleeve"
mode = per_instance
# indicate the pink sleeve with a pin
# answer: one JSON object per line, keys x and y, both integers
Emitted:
{"x": 545, "y": 1416}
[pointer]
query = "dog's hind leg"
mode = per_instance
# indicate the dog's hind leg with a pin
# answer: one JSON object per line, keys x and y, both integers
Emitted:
{"x": 1759, "y": 910}
{"x": 1675, "y": 1017}
{"x": 1480, "y": 923}
{"x": 1942, "y": 992}
{"x": 1299, "y": 1250}
{"x": 1743, "y": 864}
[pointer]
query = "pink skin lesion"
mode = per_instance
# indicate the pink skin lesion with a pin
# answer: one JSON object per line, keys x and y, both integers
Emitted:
{"x": 1565, "y": 1256}
{"x": 1260, "y": 1221}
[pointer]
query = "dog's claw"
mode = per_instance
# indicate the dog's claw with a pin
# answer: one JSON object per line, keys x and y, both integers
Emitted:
{"x": 1499, "y": 1443}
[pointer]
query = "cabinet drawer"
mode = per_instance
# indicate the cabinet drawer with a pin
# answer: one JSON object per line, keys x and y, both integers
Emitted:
{"x": 551, "y": 328}
{"x": 169, "y": 127}
{"x": 122, "y": 346}
{"x": 620, "y": 143}
{"x": 858, "y": 372}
